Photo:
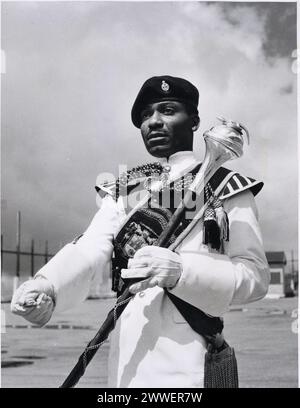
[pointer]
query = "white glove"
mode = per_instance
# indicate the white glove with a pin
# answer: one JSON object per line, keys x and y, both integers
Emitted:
{"x": 34, "y": 300}
{"x": 160, "y": 266}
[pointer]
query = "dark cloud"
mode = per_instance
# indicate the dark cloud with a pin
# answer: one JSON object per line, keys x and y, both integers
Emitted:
{"x": 281, "y": 29}
{"x": 288, "y": 89}
{"x": 280, "y": 21}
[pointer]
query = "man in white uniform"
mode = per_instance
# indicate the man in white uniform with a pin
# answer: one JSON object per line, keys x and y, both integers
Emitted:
{"x": 152, "y": 344}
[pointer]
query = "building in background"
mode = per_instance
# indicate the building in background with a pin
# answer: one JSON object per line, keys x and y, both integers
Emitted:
{"x": 281, "y": 283}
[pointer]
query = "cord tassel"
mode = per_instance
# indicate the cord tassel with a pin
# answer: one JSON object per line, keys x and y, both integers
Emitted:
{"x": 216, "y": 223}
{"x": 223, "y": 222}
{"x": 211, "y": 230}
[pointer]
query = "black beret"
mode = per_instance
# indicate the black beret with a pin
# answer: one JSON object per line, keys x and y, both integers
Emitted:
{"x": 164, "y": 88}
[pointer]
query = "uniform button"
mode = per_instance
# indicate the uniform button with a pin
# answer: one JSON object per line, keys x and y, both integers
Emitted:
{"x": 141, "y": 294}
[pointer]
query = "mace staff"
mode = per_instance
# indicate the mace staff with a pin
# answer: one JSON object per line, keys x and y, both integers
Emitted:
{"x": 222, "y": 143}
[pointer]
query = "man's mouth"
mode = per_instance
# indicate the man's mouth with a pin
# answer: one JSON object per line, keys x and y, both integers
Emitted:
{"x": 155, "y": 138}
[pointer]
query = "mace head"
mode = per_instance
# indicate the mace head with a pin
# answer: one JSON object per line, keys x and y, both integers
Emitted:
{"x": 229, "y": 136}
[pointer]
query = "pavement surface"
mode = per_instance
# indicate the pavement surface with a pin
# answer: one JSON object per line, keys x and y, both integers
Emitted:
{"x": 262, "y": 334}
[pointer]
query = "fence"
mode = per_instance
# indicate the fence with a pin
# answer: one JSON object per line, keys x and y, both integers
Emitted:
{"x": 18, "y": 253}
{"x": 96, "y": 290}
{"x": 32, "y": 255}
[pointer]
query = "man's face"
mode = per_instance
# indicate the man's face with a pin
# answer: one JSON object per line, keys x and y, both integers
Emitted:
{"x": 166, "y": 128}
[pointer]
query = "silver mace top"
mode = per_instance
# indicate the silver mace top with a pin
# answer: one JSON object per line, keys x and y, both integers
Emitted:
{"x": 230, "y": 135}
{"x": 223, "y": 143}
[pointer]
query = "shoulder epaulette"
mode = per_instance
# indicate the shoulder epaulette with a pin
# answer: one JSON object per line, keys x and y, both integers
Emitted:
{"x": 115, "y": 190}
{"x": 106, "y": 188}
{"x": 130, "y": 179}
{"x": 238, "y": 183}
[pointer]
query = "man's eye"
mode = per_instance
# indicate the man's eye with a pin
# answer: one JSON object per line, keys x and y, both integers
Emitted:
{"x": 168, "y": 111}
{"x": 145, "y": 115}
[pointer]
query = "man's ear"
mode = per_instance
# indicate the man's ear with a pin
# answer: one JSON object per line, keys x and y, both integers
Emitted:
{"x": 195, "y": 122}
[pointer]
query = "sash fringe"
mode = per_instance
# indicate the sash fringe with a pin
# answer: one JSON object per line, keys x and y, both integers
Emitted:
{"x": 220, "y": 368}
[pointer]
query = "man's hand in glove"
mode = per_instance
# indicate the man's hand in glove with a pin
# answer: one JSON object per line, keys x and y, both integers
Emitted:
{"x": 34, "y": 300}
{"x": 158, "y": 266}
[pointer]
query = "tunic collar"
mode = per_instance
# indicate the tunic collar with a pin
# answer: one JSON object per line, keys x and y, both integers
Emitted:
{"x": 179, "y": 162}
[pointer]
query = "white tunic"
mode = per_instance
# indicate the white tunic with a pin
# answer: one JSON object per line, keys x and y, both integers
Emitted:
{"x": 152, "y": 345}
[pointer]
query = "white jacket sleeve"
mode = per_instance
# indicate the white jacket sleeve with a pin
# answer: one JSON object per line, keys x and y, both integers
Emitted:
{"x": 73, "y": 267}
{"x": 211, "y": 281}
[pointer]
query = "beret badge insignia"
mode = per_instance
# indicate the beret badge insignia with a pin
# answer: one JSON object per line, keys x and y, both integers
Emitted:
{"x": 165, "y": 86}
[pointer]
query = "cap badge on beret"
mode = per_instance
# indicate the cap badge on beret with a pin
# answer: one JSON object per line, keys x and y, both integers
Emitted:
{"x": 165, "y": 86}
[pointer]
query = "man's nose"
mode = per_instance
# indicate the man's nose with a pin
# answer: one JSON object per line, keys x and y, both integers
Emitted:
{"x": 155, "y": 121}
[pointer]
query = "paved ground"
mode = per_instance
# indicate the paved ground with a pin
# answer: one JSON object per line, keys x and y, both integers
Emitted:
{"x": 261, "y": 334}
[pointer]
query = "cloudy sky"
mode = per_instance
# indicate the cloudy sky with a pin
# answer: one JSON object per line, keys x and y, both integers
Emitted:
{"x": 73, "y": 69}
